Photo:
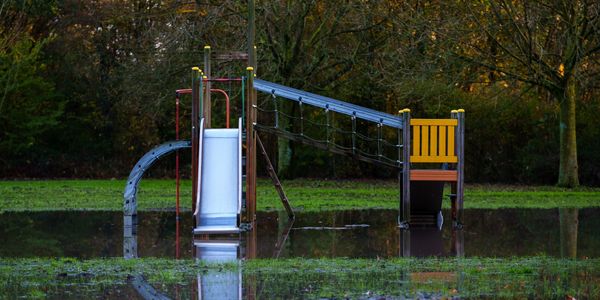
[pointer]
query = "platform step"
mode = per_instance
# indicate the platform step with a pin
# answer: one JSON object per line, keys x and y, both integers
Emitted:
{"x": 216, "y": 229}
{"x": 418, "y": 219}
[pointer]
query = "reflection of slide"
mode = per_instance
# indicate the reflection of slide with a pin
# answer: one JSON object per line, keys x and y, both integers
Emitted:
{"x": 219, "y": 199}
{"x": 219, "y": 284}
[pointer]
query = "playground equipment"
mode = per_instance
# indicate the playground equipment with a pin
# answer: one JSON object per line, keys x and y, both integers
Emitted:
{"x": 224, "y": 159}
{"x": 219, "y": 196}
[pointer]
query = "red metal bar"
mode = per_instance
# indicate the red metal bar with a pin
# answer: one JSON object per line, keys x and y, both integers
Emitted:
{"x": 226, "y": 104}
{"x": 189, "y": 91}
{"x": 183, "y": 91}
{"x": 177, "y": 177}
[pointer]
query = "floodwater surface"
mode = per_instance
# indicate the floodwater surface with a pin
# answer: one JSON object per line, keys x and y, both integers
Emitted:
{"x": 355, "y": 234}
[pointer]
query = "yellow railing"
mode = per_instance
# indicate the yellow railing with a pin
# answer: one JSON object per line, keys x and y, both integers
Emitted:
{"x": 433, "y": 140}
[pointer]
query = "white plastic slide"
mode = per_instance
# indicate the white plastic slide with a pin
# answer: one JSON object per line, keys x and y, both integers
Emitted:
{"x": 219, "y": 199}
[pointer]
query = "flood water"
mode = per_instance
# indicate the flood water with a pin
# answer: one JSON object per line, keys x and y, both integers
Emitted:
{"x": 355, "y": 234}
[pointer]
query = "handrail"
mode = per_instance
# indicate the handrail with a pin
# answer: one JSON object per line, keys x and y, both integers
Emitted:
{"x": 199, "y": 183}
{"x": 226, "y": 104}
{"x": 328, "y": 103}
{"x": 224, "y": 93}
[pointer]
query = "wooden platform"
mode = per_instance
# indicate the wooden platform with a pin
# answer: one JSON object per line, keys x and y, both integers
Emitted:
{"x": 434, "y": 175}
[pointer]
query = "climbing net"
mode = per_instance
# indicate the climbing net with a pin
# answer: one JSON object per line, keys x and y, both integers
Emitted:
{"x": 336, "y": 132}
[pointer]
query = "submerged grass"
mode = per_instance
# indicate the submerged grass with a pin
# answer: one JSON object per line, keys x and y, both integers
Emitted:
{"x": 304, "y": 194}
{"x": 532, "y": 277}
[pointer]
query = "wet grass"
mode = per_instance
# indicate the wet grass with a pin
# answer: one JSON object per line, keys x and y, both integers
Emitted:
{"x": 304, "y": 194}
{"x": 532, "y": 277}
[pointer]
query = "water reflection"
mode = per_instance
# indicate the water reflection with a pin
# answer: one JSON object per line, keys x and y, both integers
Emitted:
{"x": 487, "y": 233}
{"x": 426, "y": 242}
{"x": 144, "y": 289}
{"x": 569, "y": 225}
{"x": 219, "y": 284}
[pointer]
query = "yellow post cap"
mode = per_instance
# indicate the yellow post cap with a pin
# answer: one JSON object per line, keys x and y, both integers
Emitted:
{"x": 249, "y": 69}
{"x": 407, "y": 110}
{"x": 207, "y": 47}
{"x": 195, "y": 69}
{"x": 461, "y": 110}
{"x": 453, "y": 111}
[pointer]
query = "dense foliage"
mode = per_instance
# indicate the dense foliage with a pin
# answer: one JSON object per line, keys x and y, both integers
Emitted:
{"x": 86, "y": 87}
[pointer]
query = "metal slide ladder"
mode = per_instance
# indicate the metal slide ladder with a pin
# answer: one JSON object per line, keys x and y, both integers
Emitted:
{"x": 219, "y": 198}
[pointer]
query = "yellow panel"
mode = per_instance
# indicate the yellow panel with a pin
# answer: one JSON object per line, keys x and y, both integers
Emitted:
{"x": 416, "y": 140}
{"x": 434, "y": 141}
{"x": 425, "y": 141}
{"x": 434, "y": 122}
{"x": 433, "y": 159}
{"x": 442, "y": 139}
{"x": 451, "y": 141}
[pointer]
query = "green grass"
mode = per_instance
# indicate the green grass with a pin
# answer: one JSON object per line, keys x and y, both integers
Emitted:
{"x": 531, "y": 277}
{"x": 304, "y": 194}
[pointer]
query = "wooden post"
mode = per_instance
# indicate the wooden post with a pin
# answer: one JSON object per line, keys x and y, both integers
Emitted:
{"x": 195, "y": 131}
{"x": 251, "y": 31}
{"x": 454, "y": 185}
{"x": 405, "y": 185}
{"x": 207, "y": 86}
{"x": 460, "y": 190}
{"x": 250, "y": 148}
{"x": 404, "y": 243}
{"x": 275, "y": 179}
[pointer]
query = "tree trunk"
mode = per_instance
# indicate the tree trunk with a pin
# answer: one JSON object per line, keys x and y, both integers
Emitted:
{"x": 567, "y": 172}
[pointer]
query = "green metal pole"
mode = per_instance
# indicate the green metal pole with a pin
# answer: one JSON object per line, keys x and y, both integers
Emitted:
{"x": 207, "y": 86}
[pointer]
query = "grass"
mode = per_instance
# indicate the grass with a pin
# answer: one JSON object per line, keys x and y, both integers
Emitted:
{"x": 304, "y": 194}
{"x": 531, "y": 277}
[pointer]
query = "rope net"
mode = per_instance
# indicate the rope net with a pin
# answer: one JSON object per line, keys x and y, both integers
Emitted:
{"x": 328, "y": 130}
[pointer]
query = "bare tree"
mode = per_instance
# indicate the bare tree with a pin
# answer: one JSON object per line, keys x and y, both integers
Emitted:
{"x": 545, "y": 43}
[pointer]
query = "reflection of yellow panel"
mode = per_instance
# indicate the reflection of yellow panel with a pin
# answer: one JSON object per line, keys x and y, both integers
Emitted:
{"x": 186, "y": 8}
{"x": 425, "y": 141}
{"x": 434, "y": 122}
{"x": 416, "y": 140}
{"x": 433, "y": 159}
{"x": 426, "y": 277}
{"x": 434, "y": 141}
{"x": 442, "y": 140}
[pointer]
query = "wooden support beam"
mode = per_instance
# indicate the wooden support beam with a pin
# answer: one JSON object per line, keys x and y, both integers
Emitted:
{"x": 229, "y": 56}
{"x": 250, "y": 148}
{"x": 275, "y": 180}
{"x": 460, "y": 166}
{"x": 404, "y": 219}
